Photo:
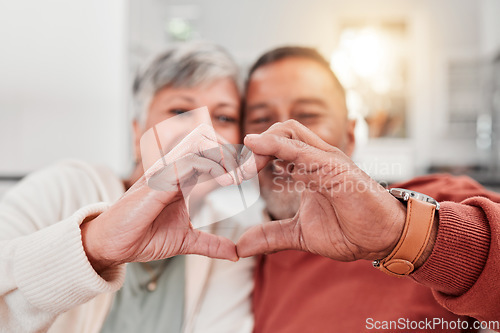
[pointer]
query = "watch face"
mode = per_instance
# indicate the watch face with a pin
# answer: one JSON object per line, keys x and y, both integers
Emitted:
{"x": 405, "y": 195}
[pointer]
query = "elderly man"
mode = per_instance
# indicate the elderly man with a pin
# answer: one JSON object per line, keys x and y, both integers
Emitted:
{"x": 327, "y": 206}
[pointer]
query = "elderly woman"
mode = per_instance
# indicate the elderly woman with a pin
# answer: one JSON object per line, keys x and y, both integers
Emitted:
{"x": 66, "y": 231}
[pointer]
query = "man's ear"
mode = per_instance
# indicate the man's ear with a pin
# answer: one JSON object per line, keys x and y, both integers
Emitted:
{"x": 137, "y": 130}
{"x": 350, "y": 137}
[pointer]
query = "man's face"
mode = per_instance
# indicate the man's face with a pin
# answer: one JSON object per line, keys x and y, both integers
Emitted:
{"x": 300, "y": 89}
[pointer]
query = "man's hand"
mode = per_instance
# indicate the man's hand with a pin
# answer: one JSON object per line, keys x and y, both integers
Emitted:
{"x": 146, "y": 224}
{"x": 344, "y": 214}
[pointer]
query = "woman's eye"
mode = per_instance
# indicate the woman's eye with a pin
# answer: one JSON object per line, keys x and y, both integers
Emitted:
{"x": 177, "y": 112}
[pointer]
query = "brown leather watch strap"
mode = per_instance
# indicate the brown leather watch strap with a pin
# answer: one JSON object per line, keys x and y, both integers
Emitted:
{"x": 414, "y": 239}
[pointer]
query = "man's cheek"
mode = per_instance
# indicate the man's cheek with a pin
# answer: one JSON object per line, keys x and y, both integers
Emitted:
{"x": 256, "y": 128}
{"x": 332, "y": 136}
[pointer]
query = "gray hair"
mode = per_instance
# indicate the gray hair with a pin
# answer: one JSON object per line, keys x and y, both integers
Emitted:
{"x": 184, "y": 66}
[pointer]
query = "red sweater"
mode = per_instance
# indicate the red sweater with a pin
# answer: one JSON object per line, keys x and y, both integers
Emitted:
{"x": 301, "y": 292}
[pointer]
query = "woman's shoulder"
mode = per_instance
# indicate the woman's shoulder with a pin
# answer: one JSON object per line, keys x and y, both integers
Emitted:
{"x": 80, "y": 176}
{"x": 67, "y": 183}
{"x": 54, "y": 193}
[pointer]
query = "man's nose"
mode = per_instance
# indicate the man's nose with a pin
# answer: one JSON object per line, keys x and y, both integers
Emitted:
{"x": 284, "y": 115}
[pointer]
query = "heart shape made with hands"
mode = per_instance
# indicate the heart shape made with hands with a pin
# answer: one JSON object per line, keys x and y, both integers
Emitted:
{"x": 184, "y": 153}
{"x": 343, "y": 214}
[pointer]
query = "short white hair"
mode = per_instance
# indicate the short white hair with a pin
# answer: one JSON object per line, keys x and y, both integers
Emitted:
{"x": 185, "y": 65}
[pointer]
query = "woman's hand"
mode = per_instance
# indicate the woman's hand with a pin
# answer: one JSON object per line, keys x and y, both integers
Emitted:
{"x": 147, "y": 224}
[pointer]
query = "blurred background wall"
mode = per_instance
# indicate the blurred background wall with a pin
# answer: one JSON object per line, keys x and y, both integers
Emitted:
{"x": 421, "y": 74}
{"x": 63, "y": 84}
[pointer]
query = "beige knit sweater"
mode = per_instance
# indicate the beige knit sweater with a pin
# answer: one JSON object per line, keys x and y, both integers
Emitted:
{"x": 47, "y": 282}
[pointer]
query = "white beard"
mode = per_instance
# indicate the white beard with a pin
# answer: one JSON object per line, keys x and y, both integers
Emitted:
{"x": 280, "y": 204}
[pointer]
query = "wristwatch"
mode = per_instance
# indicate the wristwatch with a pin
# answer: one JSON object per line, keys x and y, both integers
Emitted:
{"x": 416, "y": 232}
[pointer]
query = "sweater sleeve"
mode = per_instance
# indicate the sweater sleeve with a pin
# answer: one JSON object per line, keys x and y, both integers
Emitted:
{"x": 464, "y": 267}
{"x": 44, "y": 270}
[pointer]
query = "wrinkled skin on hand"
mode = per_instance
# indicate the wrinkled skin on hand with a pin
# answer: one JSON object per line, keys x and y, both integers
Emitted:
{"x": 344, "y": 214}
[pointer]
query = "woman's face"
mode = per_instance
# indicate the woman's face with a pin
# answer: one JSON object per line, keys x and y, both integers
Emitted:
{"x": 221, "y": 97}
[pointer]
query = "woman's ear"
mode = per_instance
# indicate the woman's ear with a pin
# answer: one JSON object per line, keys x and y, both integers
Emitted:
{"x": 351, "y": 137}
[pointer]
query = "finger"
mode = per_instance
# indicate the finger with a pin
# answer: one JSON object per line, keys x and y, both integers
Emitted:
{"x": 205, "y": 169}
{"x": 267, "y": 147}
{"x": 232, "y": 161}
{"x": 252, "y": 164}
{"x": 247, "y": 163}
{"x": 186, "y": 171}
{"x": 174, "y": 168}
{"x": 231, "y": 157}
{"x": 230, "y": 147}
{"x": 142, "y": 195}
{"x": 270, "y": 237}
{"x": 275, "y": 145}
{"x": 245, "y": 154}
{"x": 202, "y": 137}
{"x": 213, "y": 246}
{"x": 293, "y": 129}
{"x": 224, "y": 157}
{"x": 205, "y": 142}
{"x": 206, "y": 134}
{"x": 183, "y": 149}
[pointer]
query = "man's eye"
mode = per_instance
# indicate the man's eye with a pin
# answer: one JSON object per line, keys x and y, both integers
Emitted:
{"x": 226, "y": 119}
{"x": 260, "y": 120}
{"x": 178, "y": 112}
{"x": 308, "y": 115}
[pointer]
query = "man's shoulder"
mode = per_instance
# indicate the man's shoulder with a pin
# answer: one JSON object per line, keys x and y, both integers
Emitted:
{"x": 445, "y": 187}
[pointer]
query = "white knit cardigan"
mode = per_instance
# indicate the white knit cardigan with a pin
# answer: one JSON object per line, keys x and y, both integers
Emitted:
{"x": 48, "y": 284}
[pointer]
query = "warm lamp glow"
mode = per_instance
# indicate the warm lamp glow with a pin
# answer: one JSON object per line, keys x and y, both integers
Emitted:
{"x": 368, "y": 52}
{"x": 370, "y": 62}
{"x": 365, "y": 54}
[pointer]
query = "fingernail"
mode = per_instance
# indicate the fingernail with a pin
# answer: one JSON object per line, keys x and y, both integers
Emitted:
{"x": 244, "y": 153}
{"x": 251, "y": 136}
{"x": 278, "y": 168}
{"x": 225, "y": 180}
{"x": 248, "y": 170}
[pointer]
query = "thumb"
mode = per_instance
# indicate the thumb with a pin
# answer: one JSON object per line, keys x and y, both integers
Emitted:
{"x": 210, "y": 245}
{"x": 270, "y": 237}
